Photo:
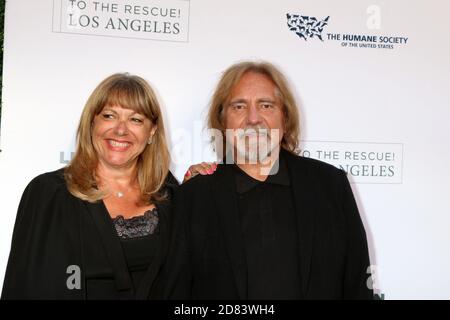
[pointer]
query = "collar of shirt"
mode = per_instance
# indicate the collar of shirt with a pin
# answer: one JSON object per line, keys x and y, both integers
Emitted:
{"x": 245, "y": 183}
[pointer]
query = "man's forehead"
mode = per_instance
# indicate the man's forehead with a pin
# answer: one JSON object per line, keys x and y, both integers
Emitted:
{"x": 244, "y": 96}
{"x": 258, "y": 99}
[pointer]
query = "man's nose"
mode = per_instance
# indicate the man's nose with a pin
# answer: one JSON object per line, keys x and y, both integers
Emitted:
{"x": 253, "y": 116}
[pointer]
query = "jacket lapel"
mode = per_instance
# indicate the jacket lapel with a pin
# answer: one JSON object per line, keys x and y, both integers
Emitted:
{"x": 144, "y": 289}
{"x": 304, "y": 193}
{"x": 224, "y": 192}
{"x": 113, "y": 248}
{"x": 164, "y": 208}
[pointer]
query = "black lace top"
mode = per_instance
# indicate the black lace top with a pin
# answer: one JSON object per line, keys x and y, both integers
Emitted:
{"x": 138, "y": 226}
{"x": 138, "y": 236}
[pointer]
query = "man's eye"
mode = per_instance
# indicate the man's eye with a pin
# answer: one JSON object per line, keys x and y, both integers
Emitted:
{"x": 266, "y": 106}
{"x": 238, "y": 106}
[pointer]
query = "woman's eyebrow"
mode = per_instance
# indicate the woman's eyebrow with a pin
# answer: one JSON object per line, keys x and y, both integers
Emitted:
{"x": 108, "y": 109}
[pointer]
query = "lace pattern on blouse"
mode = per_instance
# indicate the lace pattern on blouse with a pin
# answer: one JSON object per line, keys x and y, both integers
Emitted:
{"x": 139, "y": 226}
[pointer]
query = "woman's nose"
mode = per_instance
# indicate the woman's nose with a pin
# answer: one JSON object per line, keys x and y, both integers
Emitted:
{"x": 121, "y": 128}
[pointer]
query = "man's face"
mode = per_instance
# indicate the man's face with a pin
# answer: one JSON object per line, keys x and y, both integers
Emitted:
{"x": 255, "y": 113}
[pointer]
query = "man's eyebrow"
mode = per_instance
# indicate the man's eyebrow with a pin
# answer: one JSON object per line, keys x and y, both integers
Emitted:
{"x": 241, "y": 100}
{"x": 267, "y": 100}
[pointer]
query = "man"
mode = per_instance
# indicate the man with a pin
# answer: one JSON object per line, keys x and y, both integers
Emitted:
{"x": 269, "y": 224}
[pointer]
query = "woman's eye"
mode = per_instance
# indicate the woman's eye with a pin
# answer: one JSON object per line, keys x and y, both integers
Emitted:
{"x": 107, "y": 116}
{"x": 266, "y": 106}
{"x": 238, "y": 106}
{"x": 137, "y": 120}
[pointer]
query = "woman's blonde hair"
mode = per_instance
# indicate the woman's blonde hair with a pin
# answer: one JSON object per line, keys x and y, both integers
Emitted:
{"x": 231, "y": 77}
{"x": 127, "y": 91}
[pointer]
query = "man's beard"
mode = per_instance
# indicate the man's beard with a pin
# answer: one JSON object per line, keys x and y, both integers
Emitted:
{"x": 255, "y": 145}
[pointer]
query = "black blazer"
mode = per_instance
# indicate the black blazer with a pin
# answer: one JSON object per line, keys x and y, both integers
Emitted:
{"x": 332, "y": 243}
{"x": 55, "y": 230}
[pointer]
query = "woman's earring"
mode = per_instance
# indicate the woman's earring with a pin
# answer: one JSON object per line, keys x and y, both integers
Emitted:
{"x": 150, "y": 140}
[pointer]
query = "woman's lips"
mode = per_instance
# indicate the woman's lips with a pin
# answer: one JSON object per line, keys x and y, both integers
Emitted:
{"x": 117, "y": 145}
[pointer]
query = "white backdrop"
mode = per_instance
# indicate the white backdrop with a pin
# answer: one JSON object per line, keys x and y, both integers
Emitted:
{"x": 359, "y": 99}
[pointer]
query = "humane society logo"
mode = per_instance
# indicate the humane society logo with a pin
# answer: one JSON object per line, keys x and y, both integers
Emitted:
{"x": 308, "y": 27}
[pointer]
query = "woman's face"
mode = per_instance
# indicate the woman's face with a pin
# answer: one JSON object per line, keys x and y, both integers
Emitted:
{"x": 120, "y": 135}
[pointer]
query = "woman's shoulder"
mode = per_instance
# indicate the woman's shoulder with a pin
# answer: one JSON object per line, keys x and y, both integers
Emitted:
{"x": 171, "y": 181}
{"x": 169, "y": 186}
{"x": 53, "y": 177}
{"x": 44, "y": 198}
{"x": 48, "y": 181}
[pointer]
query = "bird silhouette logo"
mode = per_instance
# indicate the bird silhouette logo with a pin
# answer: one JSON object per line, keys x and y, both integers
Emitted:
{"x": 306, "y": 27}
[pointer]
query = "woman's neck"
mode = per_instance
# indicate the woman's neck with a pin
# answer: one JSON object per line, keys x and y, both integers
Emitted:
{"x": 120, "y": 177}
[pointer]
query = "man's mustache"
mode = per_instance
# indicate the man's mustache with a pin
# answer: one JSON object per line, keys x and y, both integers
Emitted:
{"x": 252, "y": 132}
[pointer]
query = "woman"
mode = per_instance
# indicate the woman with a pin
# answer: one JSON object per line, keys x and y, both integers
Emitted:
{"x": 100, "y": 227}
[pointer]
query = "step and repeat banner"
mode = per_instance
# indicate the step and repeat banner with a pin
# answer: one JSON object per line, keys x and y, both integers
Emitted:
{"x": 372, "y": 79}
